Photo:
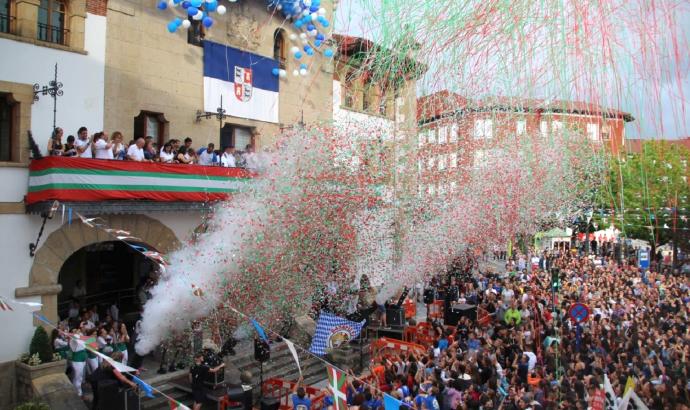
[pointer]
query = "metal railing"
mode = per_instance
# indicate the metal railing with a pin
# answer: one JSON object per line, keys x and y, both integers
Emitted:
{"x": 6, "y": 22}
{"x": 53, "y": 34}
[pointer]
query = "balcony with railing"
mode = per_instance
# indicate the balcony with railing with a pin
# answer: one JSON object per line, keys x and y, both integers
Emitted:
{"x": 53, "y": 34}
{"x": 96, "y": 186}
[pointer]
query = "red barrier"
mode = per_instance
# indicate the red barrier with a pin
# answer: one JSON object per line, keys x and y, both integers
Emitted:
{"x": 282, "y": 390}
{"x": 385, "y": 347}
{"x": 410, "y": 308}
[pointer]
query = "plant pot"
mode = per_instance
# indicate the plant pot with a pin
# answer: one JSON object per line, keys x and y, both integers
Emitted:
{"x": 27, "y": 374}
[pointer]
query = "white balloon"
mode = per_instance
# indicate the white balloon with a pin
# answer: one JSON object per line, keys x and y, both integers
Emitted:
{"x": 305, "y": 12}
{"x": 313, "y": 33}
{"x": 294, "y": 49}
{"x": 282, "y": 73}
{"x": 305, "y": 41}
{"x": 303, "y": 35}
{"x": 171, "y": 3}
{"x": 199, "y": 15}
{"x": 303, "y": 71}
{"x": 314, "y": 16}
{"x": 186, "y": 23}
{"x": 221, "y": 10}
{"x": 322, "y": 11}
{"x": 295, "y": 73}
{"x": 292, "y": 36}
{"x": 307, "y": 3}
{"x": 232, "y": 1}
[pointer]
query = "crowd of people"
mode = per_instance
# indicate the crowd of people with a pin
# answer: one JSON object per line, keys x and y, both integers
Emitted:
{"x": 531, "y": 355}
{"x": 100, "y": 146}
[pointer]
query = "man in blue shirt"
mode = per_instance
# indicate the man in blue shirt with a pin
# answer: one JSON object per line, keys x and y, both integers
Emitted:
{"x": 300, "y": 399}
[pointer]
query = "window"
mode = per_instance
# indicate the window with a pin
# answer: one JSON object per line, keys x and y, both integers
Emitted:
{"x": 442, "y": 135}
{"x": 483, "y": 129}
{"x": 51, "y": 21}
{"x": 544, "y": 128}
{"x": 422, "y": 138}
{"x": 452, "y": 160}
{"x": 521, "y": 127}
{"x": 368, "y": 95}
{"x": 7, "y": 125}
{"x": 453, "y": 133}
{"x": 441, "y": 162}
{"x": 151, "y": 124}
{"x": 236, "y": 136}
{"x": 279, "y": 47}
{"x": 6, "y": 17}
{"x": 196, "y": 32}
{"x": 348, "y": 97}
{"x": 432, "y": 136}
{"x": 593, "y": 132}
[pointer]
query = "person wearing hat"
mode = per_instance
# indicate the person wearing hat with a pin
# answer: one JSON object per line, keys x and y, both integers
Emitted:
{"x": 198, "y": 374}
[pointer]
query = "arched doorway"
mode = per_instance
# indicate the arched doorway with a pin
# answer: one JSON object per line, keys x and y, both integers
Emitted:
{"x": 70, "y": 238}
{"x": 109, "y": 273}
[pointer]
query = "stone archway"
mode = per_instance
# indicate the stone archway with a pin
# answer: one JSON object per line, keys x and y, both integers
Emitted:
{"x": 59, "y": 245}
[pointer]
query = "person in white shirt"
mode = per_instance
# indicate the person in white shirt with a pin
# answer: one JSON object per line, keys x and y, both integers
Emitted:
{"x": 250, "y": 159}
{"x": 228, "y": 158}
{"x": 83, "y": 143}
{"x": 167, "y": 155}
{"x": 135, "y": 152}
{"x": 103, "y": 148}
{"x": 207, "y": 155}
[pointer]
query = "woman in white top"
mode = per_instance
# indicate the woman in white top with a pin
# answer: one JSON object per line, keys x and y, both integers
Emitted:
{"x": 103, "y": 148}
{"x": 167, "y": 156}
{"x": 183, "y": 157}
{"x": 119, "y": 150}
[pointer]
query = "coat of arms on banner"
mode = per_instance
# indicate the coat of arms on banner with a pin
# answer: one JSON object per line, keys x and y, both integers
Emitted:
{"x": 243, "y": 83}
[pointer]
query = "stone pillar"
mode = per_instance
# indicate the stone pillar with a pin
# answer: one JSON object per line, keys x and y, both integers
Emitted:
{"x": 76, "y": 24}
{"x": 27, "y": 18}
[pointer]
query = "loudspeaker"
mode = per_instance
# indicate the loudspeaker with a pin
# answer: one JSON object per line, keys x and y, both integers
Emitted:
{"x": 429, "y": 295}
{"x": 270, "y": 403}
{"x": 262, "y": 351}
{"x": 395, "y": 316}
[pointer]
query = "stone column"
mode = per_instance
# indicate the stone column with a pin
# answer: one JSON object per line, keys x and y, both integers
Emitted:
{"x": 27, "y": 18}
{"x": 76, "y": 21}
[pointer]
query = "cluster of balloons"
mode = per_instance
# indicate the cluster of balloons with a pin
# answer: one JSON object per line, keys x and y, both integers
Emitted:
{"x": 306, "y": 16}
{"x": 196, "y": 9}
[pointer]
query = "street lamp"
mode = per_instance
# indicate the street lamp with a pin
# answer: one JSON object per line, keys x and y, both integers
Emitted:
{"x": 54, "y": 89}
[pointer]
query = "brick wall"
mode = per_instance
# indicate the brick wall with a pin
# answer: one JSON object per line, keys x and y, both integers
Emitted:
{"x": 97, "y": 7}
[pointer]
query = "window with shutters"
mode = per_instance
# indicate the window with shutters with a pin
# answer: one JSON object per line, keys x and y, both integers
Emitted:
{"x": 151, "y": 124}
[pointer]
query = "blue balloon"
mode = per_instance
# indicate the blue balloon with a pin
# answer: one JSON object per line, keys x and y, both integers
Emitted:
{"x": 311, "y": 27}
{"x": 191, "y": 11}
{"x": 186, "y": 4}
{"x": 275, "y": 72}
{"x": 325, "y": 23}
{"x": 299, "y": 24}
{"x": 177, "y": 1}
{"x": 303, "y": 66}
{"x": 212, "y": 6}
{"x": 320, "y": 37}
{"x": 328, "y": 53}
{"x": 162, "y": 5}
{"x": 310, "y": 52}
{"x": 316, "y": 3}
{"x": 172, "y": 27}
{"x": 318, "y": 43}
{"x": 196, "y": 3}
{"x": 313, "y": 8}
{"x": 178, "y": 21}
{"x": 298, "y": 55}
{"x": 208, "y": 22}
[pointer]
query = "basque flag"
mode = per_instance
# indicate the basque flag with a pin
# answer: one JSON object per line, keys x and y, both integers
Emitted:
{"x": 244, "y": 80}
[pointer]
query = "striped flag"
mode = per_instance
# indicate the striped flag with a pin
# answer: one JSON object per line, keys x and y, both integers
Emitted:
{"x": 176, "y": 405}
{"x": 337, "y": 385}
{"x": 4, "y": 305}
{"x": 89, "y": 341}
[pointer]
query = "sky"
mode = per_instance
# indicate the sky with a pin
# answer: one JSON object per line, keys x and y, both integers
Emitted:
{"x": 643, "y": 69}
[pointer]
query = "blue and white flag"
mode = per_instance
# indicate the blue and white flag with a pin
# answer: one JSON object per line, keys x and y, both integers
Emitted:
{"x": 148, "y": 390}
{"x": 244, "y": 80}
{"x": 333, "y": 331}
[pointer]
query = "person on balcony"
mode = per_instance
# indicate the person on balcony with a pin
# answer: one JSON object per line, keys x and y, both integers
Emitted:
{"x": 83, "y": 143}
{"x": 119, "y": 151}
{"x": 70, "y": 150}
{"x": 228, "y": 158}
{"x": 102, "y": 147}
{"x": 167, "y": 156}
{"x": 55, "y": 147}
{"x": 183, "y": 157}
{"x": 207, "y": 156}
{"x": 135, "y": 152}
{"x": 150, "y": 150}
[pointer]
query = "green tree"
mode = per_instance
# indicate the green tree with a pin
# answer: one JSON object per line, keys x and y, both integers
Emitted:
{"x": 41, "y": 344}
{"x": 646, "y": 194}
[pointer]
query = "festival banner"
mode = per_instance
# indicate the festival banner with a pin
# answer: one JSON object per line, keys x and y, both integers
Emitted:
{"x": 333, "y": 331}
{"x": 243, "y": 81}
{"x": 83, "y": 180}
